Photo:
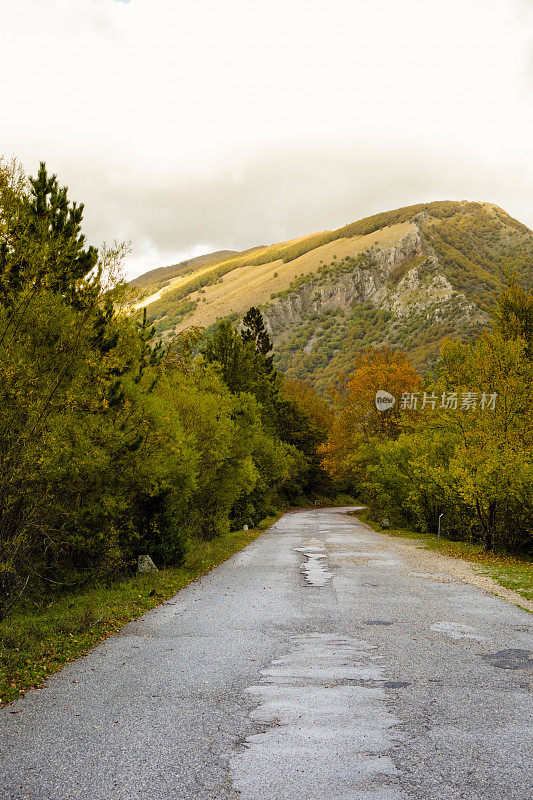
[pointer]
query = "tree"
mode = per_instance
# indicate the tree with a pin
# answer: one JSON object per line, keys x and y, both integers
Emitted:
{"x": 254, "y": 331}
{"x": 358, "y": 424}
{"x": 474, "y": 465}
{"x": 45, "y": 247}
{"x": 236, "y": 357}
{"x": 514, "y": 316}
{"x": 246, "y": 368}
{"x": 306, "y": 420}
{"x": 492, "y": 460}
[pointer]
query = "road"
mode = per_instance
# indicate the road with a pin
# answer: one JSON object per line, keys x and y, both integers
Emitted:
{"x": 319, "y": 663}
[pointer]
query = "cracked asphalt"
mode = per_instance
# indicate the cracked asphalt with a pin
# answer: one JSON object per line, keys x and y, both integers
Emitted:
{"x": 317, "y": 664}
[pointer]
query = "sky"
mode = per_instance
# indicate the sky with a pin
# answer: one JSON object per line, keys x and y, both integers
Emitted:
{"x": 192, "y": 127}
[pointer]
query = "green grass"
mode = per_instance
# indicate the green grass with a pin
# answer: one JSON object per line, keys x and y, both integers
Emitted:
{"x": 509, "y": 571}
{"x": 36, "y": 642}
{"x": 518, "y": 577}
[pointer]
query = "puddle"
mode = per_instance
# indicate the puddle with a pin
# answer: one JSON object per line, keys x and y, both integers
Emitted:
{"x": 456, "y": 630}
{"x": 397, "y": 684}
{"x": 314, "y": 569}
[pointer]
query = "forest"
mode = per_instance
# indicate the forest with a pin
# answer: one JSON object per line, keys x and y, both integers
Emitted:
{"x": 457, "y": 442}
{"x": 112, "y": 445}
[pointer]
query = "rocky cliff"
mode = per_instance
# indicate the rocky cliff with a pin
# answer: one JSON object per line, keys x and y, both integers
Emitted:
{"x": 407, "y": 277}
{"x": 404, "y": 281}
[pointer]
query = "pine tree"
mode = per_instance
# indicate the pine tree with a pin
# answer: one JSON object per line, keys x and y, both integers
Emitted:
{"x": 47, "y": 247}
{"x": 254, "y": 331}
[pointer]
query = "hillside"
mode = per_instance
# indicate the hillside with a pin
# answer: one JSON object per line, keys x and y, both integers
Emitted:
{"x": 153, "y": 284}
{"x": 407, "y": 277}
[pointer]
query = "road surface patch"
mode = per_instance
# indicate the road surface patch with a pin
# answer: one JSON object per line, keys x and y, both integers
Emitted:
{"x": 324, "y": 737}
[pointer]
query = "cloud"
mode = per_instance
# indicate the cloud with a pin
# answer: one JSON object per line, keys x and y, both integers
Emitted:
{"x": 291, "y": 190}
{"x": 199, "y": 126}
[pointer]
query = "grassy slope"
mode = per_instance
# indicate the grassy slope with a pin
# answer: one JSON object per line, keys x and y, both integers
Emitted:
{"x": 36, "y": 642}
{"x": 477, "y": 245}
{"x": 509, "y": 571}
{"x": 155, "y": 277}
{"x": 254, "y": 285}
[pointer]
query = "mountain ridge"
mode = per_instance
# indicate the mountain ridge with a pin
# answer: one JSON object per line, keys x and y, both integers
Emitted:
{"x": 405, "y": 277}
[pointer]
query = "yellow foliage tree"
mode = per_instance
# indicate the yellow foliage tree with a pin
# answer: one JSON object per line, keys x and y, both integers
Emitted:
{"x": 358, "y": 423}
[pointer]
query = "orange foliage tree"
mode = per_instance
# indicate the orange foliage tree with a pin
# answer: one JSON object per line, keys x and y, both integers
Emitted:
{"x": 357, "y": 423}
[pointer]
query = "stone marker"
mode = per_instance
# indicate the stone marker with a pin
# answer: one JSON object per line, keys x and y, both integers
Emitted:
{"x": 385, "y": 523}
{"x": 145, "y": 564}
{"x": 245, "y": 527}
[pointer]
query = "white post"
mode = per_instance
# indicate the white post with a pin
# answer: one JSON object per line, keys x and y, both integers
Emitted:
{"x": 440, "y": 517}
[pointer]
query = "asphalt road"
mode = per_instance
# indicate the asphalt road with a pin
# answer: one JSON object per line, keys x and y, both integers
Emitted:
{"x": 316, "y": 664}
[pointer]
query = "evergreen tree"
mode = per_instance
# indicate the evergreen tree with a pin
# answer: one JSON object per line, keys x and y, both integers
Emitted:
{"x": 236, "y": 357}
{"x": 46, "y": 247}
{"x": 254, "y": 331}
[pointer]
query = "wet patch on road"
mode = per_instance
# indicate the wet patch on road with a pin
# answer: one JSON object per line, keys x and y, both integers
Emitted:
{"x": 314, "y": 569}
{"x": 376, "y": 622}
{"x": 510, "y": 659}
{"x": 396, "y": 684}
{"x": 326, "y": 726}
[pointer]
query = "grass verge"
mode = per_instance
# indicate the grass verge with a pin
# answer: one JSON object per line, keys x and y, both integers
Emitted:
{"x": 36, "y": 642}
{"x": 509, "y": 571}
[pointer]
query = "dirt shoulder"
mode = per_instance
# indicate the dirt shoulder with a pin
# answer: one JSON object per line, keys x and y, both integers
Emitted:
{"x": 450, "y": 567}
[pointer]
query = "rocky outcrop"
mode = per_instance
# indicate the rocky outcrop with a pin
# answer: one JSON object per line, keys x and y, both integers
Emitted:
{"x": 369, "y": 282}
{"x": 404, "y": 279}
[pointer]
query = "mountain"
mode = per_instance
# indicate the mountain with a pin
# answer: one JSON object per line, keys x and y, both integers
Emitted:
{"x": 160, "y": 280}
{"x": 407, "y": 277}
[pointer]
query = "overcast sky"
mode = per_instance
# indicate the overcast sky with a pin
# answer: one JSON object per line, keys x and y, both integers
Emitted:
{"x": 193, "y": 126}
